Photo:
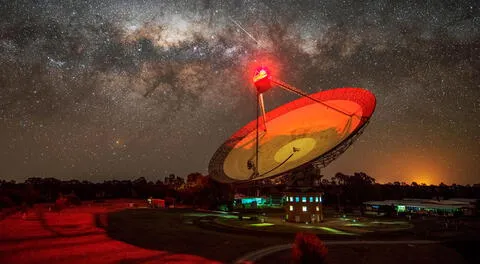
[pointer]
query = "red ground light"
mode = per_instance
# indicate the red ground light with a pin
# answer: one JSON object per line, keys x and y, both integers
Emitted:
{"x": 71, "y": 236}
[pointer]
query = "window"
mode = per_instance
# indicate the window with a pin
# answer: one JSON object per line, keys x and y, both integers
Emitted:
{"x": 311, "y": 199}
{"x": 304, "y": 199}
{"x": 291, "y": 198}
{"x": 316, "y": 199}
{"x": 318, "y": 208}
{"x": 304, "y": 208}
{"x": 297, "y": 199}
{"x": 320, "y": 198}
{"x": 291, "y": 207}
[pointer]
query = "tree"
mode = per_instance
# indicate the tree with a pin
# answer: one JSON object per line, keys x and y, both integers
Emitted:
{"x": 308, "y": 248}
{"x": 140, "y": 181}
{"x": 340, "y": 178}
{"x": 357, "y": 187}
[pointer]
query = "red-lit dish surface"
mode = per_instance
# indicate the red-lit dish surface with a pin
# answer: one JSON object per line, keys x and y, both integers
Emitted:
{"x": 297, "y": 133}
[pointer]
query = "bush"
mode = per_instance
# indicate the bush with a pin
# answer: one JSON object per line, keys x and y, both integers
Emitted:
{"x": 60, "y": 203}
{"x": 6, "y": 202}
{"x": 308, "y": 248}
{"x": 72, "y": 199}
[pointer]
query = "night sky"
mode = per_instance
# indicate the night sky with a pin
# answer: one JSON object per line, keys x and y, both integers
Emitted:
{"x": 100, "y": 90}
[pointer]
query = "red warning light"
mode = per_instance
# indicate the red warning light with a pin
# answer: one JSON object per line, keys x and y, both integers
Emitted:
{"x": 261, "y": 79}
{"x": 260, "y": 73}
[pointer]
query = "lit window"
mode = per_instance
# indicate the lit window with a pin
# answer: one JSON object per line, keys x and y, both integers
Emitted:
{"x": 304, "y": 199}
{"x": 291, "y": 207}
{"x": 291, "y": 198}
{"x": 311, "y": 199}
{"x": 297, "y": 199}
{"x": 320, "y": 198}
{"x": 304, "y": 208}
{"x": 316, "y": 199}
{"x": 318, "y": 208}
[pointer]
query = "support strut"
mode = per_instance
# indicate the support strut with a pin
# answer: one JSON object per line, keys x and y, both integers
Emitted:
{"x": 297, "y": 91}
{"x": 256, "y": 141}
{"x": 262, "y": 108}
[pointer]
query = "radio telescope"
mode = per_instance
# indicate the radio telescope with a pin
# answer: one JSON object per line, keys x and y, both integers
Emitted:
{"x": 314, "y": 129}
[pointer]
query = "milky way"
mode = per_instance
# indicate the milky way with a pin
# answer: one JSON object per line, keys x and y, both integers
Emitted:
{"x": 97, "y": 90}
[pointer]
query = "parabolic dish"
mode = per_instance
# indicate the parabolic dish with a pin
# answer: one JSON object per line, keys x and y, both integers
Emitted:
{"x": 299, "y": 132}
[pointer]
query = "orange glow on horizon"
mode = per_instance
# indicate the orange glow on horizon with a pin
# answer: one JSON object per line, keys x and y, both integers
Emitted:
{"x": 422, "y": 179}
{"x": 412, "y": 165}
{"x": 423, "y": 169}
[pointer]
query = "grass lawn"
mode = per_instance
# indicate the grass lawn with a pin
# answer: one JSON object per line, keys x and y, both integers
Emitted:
{"x": 283, "y": 228}
{"x": 174, "y": 231}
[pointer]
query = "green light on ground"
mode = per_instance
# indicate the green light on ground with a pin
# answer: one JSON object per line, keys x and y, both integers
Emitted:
{"x": 197, "y": 214}
{"x": 335, "y": 231}
{"x": 262, "y": 224}
{"x": 328, "y": 229}
{"x": 355, "y": 224}
{"x": 229, "y": 216}
{"x": 207, "y": 214}
{"x": 390, "y": 223}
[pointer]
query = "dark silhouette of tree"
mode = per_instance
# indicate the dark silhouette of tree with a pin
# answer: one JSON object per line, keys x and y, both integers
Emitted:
{"x": 308, "y": 248}
{"x": 340, "y": 178}
{"x": 355, "y": 188}
{"x": 201, "y": 191}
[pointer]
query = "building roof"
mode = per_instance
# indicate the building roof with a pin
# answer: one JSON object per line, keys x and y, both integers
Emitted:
{"x": 442, "y": 204}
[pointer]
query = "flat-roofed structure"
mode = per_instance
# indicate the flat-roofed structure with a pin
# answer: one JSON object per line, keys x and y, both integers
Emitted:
{"x": 450, "y": 207}
{"x": 303, "y": 207}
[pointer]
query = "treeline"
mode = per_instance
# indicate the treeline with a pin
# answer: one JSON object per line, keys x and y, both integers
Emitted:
{"x": 355, "y": 189}
{"x": 203, "y": 192}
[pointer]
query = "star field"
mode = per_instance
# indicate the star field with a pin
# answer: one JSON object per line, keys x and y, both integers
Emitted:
{"x": 97, "y": 90}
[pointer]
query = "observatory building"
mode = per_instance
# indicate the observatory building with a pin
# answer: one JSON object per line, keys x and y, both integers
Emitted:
{"x": 304, "y": 207}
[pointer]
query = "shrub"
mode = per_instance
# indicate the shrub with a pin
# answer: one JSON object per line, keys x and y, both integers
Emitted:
{"x": 308, "y": 248}
{"x": 6, "y": 202}
{"x": 72, "y": 199}
{"x": 60, "y": 203}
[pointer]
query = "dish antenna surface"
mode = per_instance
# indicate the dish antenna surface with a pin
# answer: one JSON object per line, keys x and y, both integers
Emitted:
{"x": 315, "y": 128}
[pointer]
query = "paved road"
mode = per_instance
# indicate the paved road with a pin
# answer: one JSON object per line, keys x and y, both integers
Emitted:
{"x": 258, "y": 254}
